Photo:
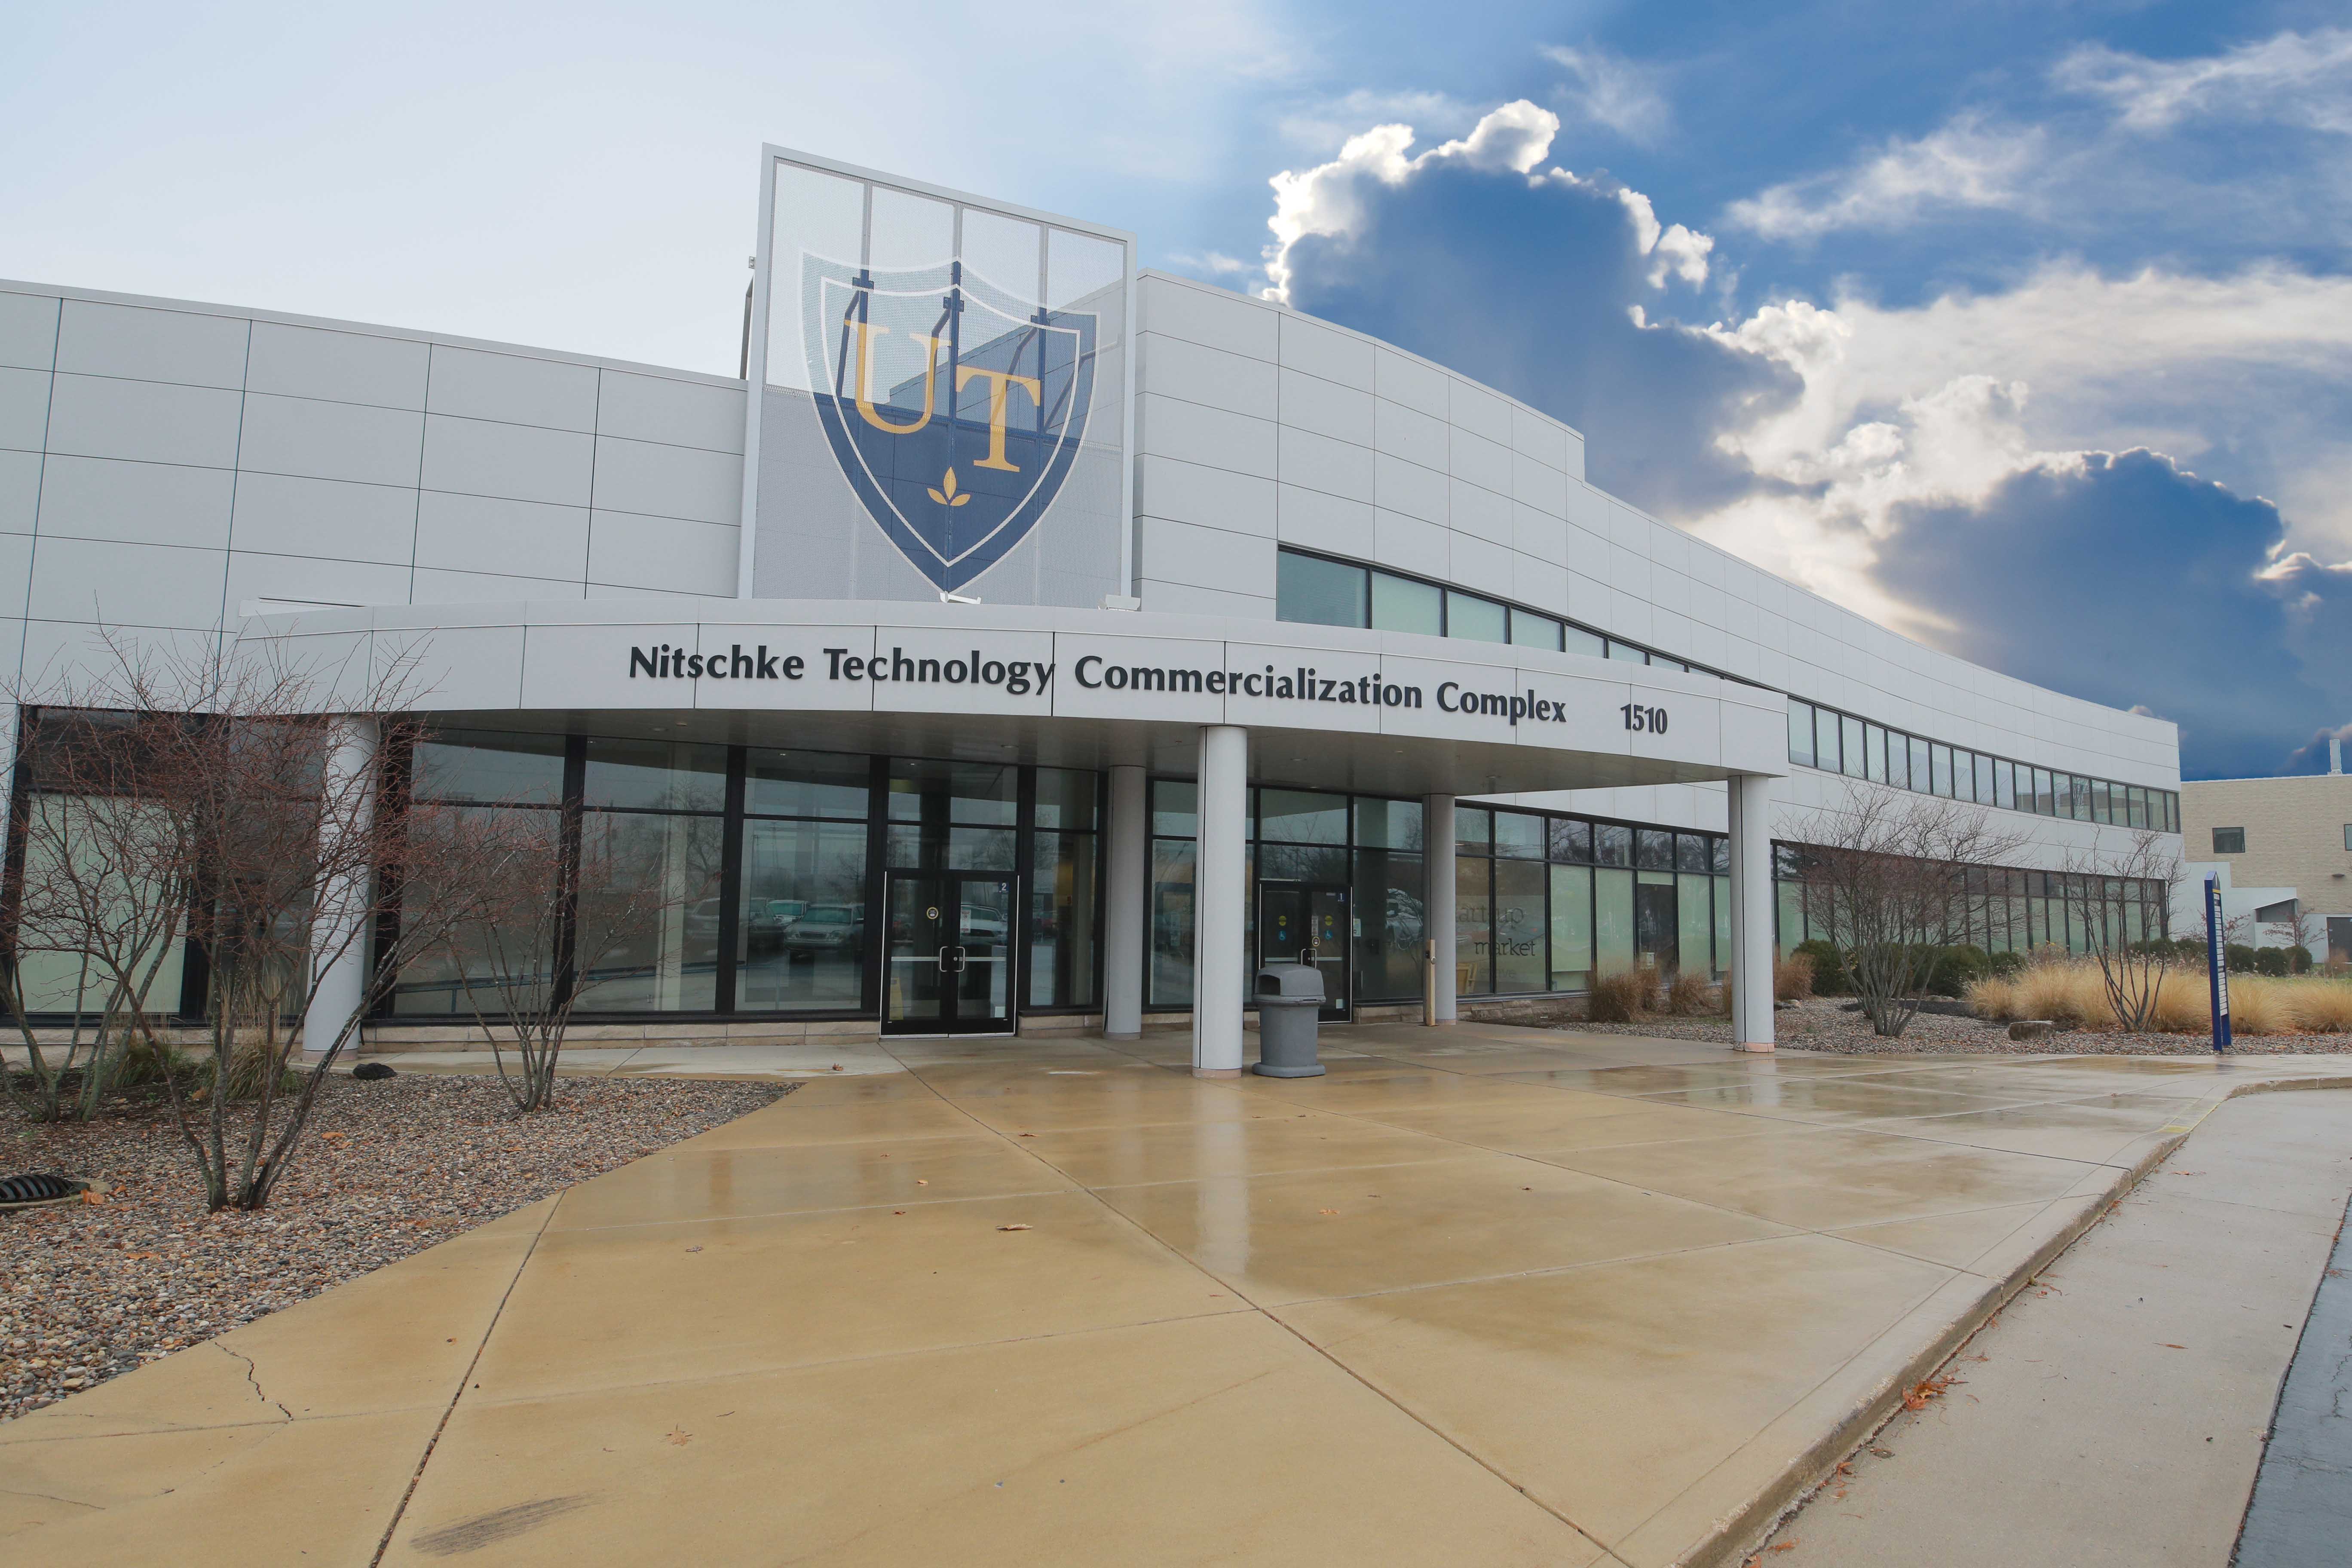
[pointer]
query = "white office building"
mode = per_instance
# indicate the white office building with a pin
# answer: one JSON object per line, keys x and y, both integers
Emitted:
{"x": 1022, "y": 641}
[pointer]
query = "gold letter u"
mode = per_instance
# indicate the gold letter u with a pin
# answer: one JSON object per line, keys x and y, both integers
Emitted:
{"x": 865, "y": 333}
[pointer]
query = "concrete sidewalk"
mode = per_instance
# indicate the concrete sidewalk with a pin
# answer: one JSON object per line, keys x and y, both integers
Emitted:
{"x": 1487, "y": 1295}
{"x": 2115, "y": 1413}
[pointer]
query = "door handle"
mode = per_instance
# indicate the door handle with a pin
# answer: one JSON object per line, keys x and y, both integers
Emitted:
{"x": 943, "y": 960}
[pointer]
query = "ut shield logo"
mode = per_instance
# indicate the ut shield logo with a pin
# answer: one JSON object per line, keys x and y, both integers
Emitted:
{"x": 954, "y": 407}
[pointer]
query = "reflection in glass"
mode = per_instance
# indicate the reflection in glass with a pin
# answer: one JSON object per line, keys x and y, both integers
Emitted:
{"x": 489, "y": 768}
{"x": 1519, "y": 834}
{"x": 1065, "y": 798}
{"x": 1388, "y": 824}
{"x": 1061, "y": 954}
{"x": 806, "y": 784}
{"x": 1173, "y": 814}
{"x": 1172, "y": 924}
{"x": 648, "y": 933}
{"x": 1519, "y": 919}
{"x": 800, "y": 936}
{"x": 1388, "y": 921}
{"x": 1612, "y": 845}
{"x": 1571, "y": 840}
{"x": 1474, "y": 923}
{"x": 1299, "y": 817}
{"x": 656, "y": 775}
{"x": 1474, "y": 830}
{"x": 508, "y": 965}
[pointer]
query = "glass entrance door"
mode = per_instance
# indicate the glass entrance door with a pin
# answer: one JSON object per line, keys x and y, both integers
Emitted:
{"x": 1296, "y": 918}
{"x": 950, "y": 954}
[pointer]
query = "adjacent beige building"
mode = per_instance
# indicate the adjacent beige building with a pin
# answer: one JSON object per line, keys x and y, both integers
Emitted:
{"x": 2281, "y": 833}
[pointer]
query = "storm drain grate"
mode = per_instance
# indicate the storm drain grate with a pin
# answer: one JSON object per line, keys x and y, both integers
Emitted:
{"x": 37, "y": 1188}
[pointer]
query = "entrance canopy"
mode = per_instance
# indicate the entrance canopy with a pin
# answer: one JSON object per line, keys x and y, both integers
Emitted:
{"x": 1330, "y": 707}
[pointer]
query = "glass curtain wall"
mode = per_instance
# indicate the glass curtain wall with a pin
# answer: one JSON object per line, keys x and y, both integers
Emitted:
{"x": 2006, "y": 909}
{"x": 743, "y": 879}
{"x": 522, "y": 777}
{"x": 800, "y": 927}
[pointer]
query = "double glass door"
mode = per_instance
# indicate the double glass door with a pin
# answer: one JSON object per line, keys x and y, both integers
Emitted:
{"x": 950, "y": 954}
{"x": 1303, "y": 918}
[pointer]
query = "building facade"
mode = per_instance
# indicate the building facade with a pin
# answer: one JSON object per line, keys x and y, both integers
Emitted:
{"x": 1023, "y": 640}
{"x": 2283, "y": 847}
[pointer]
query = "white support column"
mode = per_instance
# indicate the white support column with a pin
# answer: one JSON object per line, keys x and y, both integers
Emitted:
{"x": 1124, "y": 892}
{"x": 1220, "y": 901}
{"x": 1437, "y": 904}
{"x": 337, "y": 994}
{"x": 1751, "y": 912}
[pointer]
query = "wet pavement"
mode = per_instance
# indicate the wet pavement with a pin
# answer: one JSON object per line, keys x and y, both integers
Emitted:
{"x": 1483, "y": 1294}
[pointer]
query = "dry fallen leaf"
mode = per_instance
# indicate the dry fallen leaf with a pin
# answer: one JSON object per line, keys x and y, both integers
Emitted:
{"x": 1326, "y": 1211}
{"x": 1016, "y": 1227}
{"x": 679, "y": 1436}
{"x": 88, "y": 1196}
{"x": 2175, "y": 1347}
{"x": 920, "y": 1183}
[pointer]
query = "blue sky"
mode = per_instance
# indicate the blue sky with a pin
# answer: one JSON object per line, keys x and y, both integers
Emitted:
{"x": 2023, "y": 328}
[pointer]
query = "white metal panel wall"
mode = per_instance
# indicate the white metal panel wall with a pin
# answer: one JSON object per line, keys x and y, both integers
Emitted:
{"x": 1259, "y": 427}
{"x": 161, "y": 463}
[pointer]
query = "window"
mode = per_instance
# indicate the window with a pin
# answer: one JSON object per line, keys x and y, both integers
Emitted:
{"x": 1321, "y": 593}
{"x": 1851, "y": 728}
{"x": 1531, "y": 630}
{"x": 1401, "y": 604}
{"x": 1800, "y": 734}
{"x": 1479, "y": 620}
{"x": 2347, "y": 835}
{"x": 2233, "y": 840}
{"x": 1825, "y": 740}
{"x": 1591, "y": 645}
{"x": 1628, "y": 653}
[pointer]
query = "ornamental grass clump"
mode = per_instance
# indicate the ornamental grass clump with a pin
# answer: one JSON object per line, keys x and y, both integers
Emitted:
{"x": 2074, "y": 993}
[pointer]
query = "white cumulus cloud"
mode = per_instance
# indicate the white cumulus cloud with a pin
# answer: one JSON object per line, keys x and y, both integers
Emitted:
{"x": 1329, "y": 199}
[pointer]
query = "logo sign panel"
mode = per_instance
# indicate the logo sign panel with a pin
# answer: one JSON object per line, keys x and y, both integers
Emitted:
{"x": 954, "y": 407}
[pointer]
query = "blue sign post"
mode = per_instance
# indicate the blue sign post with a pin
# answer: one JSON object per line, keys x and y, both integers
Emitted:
{"x": 2217, "y": 968}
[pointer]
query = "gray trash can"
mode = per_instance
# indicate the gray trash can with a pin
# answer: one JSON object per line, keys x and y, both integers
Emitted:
{"x": 1289, "y": 995}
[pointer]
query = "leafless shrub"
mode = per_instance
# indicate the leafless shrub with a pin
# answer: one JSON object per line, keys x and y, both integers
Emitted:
{"x": 2133, "y": 969}
{"x": 221, "y": 811}
{"x": 569, "y": 897}
{"x": 1886, "y": 878}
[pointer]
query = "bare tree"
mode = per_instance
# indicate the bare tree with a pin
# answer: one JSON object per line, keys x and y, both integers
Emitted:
{"x": 574, "y": 895}
{"x": 1887, "y": 880}
{"x": 282, "y": 862}
{"x": 2106, "y": 884}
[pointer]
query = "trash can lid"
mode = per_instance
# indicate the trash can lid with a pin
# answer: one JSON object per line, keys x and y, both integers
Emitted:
{"x": 1297, "y": 982}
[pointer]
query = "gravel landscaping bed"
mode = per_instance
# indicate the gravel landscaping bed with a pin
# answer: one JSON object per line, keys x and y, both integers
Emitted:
{"x": 1821, "y": 1025}
{"x": 388, "y": 1168}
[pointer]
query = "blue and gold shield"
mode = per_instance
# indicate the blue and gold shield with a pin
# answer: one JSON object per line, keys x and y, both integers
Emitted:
{"x": 954, "y": 407}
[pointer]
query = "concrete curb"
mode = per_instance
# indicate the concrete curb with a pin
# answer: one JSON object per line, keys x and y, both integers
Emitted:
{"x": 1746, "y": 1523}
